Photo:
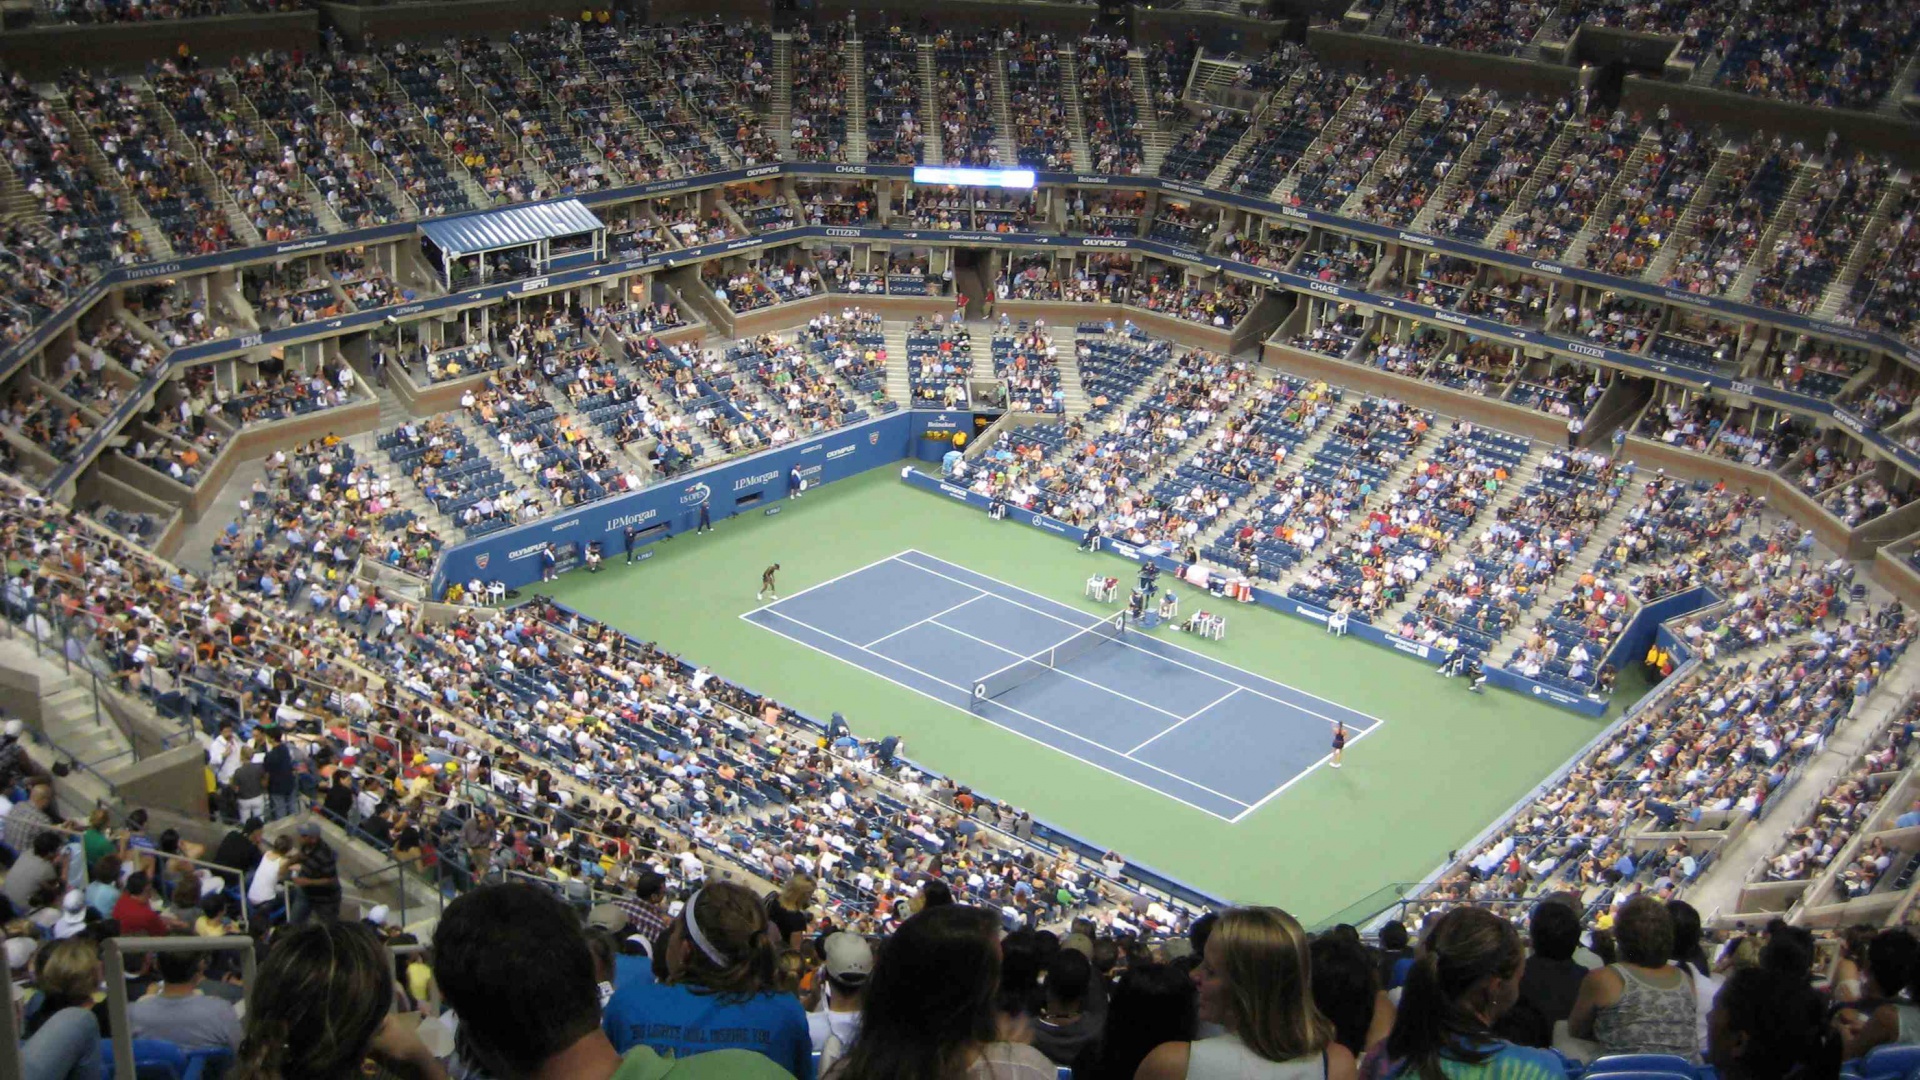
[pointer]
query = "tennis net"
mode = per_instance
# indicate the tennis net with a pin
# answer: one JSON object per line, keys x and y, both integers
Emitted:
{"x": 1027, "y": 668}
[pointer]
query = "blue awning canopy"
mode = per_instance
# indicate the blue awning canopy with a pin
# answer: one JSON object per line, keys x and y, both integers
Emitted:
{"x": 512, "y": 226}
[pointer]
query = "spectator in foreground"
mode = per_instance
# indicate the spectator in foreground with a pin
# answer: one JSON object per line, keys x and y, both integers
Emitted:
{"x": 1347, "y": 990}
{"x": 1063, "y": 1031}
{"x": 1550, "y": 984}
{"x": 1769, "y": 1026}
{"x": 1152, "y": 1004}
{"x": 1642, "y": 1004}
{"x": 514, "y": 965}
{"x": 1254, "y": 980}
{"x": 720, "y": 990}
{"x": 1466, "y": 976}
{"x": 63, "y": 1036}
{"x": 322, "y": 1005}
{"x": 180, "y": 1013}
{"x": 1893, "y": 962}
{"x": 929, "y": 1012}
{"x": 848, "y": 964}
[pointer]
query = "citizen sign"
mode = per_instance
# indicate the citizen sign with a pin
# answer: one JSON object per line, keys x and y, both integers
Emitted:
{"x": 843, "y": 232}
{"x": 1586, "y": 350}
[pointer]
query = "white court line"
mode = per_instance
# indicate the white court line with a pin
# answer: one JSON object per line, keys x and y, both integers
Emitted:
{"x": 929, "y": 619}
{"x": 1151, "y": 652}
{"x": 1184, "y": 719}
{"x": 966, "y": 692}
{"x": 831, "y": 580}
{"x": 1061, "y": 671}
{"x": 1302, "y": 775}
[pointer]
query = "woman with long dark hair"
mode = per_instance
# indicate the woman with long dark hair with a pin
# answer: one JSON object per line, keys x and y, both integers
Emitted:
{"x": 321, "y": 1005}
{"x": 1152, "y": 1004}
{"x": 929, "y": 1011}
{"x": 1766, "y": 1025}
{"x": 1467, "y": 974}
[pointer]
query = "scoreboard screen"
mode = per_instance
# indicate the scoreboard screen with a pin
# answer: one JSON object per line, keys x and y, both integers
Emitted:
{"x": 954, "y": 177}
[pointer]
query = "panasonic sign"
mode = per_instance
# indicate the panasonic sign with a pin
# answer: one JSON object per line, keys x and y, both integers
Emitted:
{"x": 1416, "y": 238}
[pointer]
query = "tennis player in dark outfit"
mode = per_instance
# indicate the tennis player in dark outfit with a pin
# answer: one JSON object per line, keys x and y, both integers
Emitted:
{"x": 766, "y": 584}
{"x": 1339, "y": 741}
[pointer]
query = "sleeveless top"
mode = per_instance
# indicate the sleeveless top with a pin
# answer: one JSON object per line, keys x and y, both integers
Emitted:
{"x": 1649, "y": 1019}
{"x": 1225, "y": 1057}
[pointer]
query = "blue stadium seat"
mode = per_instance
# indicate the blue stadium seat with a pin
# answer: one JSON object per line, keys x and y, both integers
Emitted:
{"x": 1889, "y": 1061}
{"x": 1629, "y": 1063}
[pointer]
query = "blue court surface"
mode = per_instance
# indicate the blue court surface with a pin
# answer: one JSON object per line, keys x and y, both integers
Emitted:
{"x": 1199, "y": 731}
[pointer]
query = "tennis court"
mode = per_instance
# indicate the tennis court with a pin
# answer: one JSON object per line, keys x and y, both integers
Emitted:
{"x": 1202, "y": 732}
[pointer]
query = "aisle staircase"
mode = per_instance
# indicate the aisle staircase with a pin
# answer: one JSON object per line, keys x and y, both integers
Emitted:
{"x": 1154, "y": 140}
{"x": 854, "y": 55}
{"x": 1783, "y": 217}
{"x": 1004, "y": 140}
{"x": 782, "y": 115}
{"x": 1076, "y": 113}
{"x": 1689, "y": 221}
{"x": 1516, "y": 211}
{"x": 1834, "y": 302}
{"x": 935, "y": 153}
{"x": 1462, "y": 167}
{"x": 1602, "y": 216}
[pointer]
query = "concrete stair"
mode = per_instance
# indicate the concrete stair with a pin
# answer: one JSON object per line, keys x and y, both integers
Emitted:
{"x": 1833, "y": 302}
{"x": 1549, "y": 163}
{"x": 203, "y": 171}
{"x": 383, "y": 176}
{"x": 473, "y": 98}
{"x": 1154, "y": 140}
{"x": 899, "y": 383}
{"x": 81, "y": 139}
{"x": 1516, "y": 486}
{"x": 1004, "y": 140}
{"x": 1553, "y": 591}
{"x": 935, "y": 153}
{"x": 1603, "y": 210}
{"x": 65, "y": 721}
{"x": 1076, "y": 113}
{"x": 1323, "y": 144}
{"x": 1444, "y": 191}
{"x": 1223, "y": 170}
{"x": 391, "y": 89}
{"x": 243, "y": 103}
{"x": 1297, "y": 459}
{"x": 782, "y": 117}
{"x": 853, "y": 52}
{"x": 1689, "y": 221}
{"x": 1783, "y": 217}
{"x": 1395, "y": 150}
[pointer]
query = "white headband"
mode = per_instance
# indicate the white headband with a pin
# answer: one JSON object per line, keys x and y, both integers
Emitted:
{"x": 698, "y": 936}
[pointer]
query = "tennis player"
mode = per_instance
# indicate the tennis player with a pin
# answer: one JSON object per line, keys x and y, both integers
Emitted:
{"x": 766, "y": 584}
{"x": 1339, "y": 741}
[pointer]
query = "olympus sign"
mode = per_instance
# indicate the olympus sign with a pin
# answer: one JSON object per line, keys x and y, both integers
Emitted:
{"x": 1095, "y": 242}
{"x": 836, "y": 455}
{"x": 764, "y": 170}
{"x": 526, "y": 552}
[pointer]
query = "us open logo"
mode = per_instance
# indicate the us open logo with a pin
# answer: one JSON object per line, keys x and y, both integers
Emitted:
{"x": 696, "y": 494}
{"x": 480, "y": 561}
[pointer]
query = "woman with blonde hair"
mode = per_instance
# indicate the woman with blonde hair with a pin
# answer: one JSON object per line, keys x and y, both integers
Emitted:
{"x": 788, "y": 907}
{"x": 63, "y": 1036}
{"x": 1255, "y": 979}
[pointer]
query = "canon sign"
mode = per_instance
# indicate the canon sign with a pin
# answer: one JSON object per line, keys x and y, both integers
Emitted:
{"x": 1547, "y": 268}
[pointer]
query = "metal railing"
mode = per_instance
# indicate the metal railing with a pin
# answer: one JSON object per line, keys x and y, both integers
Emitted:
{"x": 113, "y": 956}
